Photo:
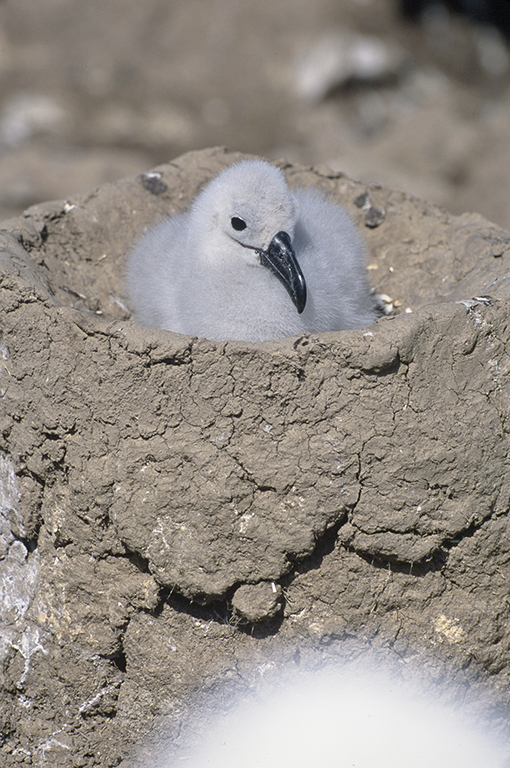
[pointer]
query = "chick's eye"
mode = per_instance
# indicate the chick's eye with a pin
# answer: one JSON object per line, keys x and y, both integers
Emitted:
{"x": 237, "y": 223}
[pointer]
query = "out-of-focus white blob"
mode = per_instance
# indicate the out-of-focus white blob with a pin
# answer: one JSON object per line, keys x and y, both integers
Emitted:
{"x": 343, "y": 719}
{"x": 339, "y": 58}
{"x": 27, "y": 114}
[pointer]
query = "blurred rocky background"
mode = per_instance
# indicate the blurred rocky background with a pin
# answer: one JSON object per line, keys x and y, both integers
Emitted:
{"x": 413, "y": 94}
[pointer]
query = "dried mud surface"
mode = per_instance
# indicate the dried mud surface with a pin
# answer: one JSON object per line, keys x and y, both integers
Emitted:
{"x": 178, "y": 514}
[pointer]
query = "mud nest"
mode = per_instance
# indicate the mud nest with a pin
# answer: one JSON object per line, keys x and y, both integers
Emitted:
{"x": 177, "y": 512}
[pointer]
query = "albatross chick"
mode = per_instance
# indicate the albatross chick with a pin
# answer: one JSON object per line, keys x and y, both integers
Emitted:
{"x": 252, "y": 260}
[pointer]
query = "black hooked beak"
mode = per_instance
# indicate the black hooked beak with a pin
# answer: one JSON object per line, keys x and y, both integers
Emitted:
{"x": 281, "y": 260}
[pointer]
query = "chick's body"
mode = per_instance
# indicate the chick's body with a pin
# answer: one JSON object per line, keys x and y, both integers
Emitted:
{"x": 202, "y": 272}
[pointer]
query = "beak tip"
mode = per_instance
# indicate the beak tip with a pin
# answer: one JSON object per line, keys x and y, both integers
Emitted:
{"x": 300, "y": 300}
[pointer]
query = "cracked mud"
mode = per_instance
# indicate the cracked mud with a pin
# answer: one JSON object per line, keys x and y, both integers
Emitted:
{"x": 178, "y": 513}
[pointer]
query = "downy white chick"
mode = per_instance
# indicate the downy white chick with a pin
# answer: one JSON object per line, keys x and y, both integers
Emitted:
{"x": 252, "y": 261}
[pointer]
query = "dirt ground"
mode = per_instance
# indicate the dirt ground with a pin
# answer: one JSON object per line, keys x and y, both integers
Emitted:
{"x": 90, "y": 92}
